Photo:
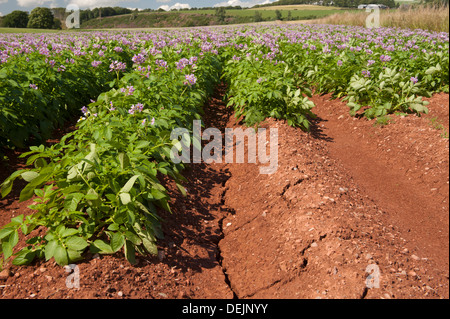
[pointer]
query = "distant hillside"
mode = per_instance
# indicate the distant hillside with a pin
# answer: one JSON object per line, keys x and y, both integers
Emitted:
{"x": 201, "y": 17}
{"x": 337, "y": 3}
{"x": 152, "y": 20}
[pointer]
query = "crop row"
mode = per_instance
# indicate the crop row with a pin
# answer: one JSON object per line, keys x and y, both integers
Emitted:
{"x": 100, "y": 187}
{"x": 272, "y": 71}
{"x": 41, "y": 89}
{"x": 377, "y": 71}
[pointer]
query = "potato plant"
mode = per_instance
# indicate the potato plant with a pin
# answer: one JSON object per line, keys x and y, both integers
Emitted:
{"x": 99, "y": 189}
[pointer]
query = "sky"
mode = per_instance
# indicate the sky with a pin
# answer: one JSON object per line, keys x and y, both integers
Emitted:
{"x": 7, "y": 6}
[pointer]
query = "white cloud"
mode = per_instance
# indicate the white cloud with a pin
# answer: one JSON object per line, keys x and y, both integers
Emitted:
{"x": 1, "y": 14}
{"x": 3, "y": 1}
{"x": 160, "y": 1}
{"x": 176, "y": 6}
{"x": 139, "y": 9}
{"x": 33, "y": 3}
{"x": 244, "y": 4}
{"x": 94, "y": 4}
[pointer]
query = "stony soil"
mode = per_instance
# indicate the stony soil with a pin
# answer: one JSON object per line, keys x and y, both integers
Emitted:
{"x": 347, "y": 198}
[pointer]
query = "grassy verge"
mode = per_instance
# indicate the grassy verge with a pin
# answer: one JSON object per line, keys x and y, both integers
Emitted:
{"x": 418, "y": 17}
{"x": 25, "y": 30}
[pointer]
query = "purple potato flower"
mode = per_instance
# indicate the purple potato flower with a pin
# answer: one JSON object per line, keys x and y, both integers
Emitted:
{"x": 138, "y": 59}
{"x": 182, "y": 63}
{"x": 96, "y": 63}
{"x": 117, "y": 66}
{"x": 136, "y": 108}
{"x": 161, "y": 63}
{"x": 385, "y": 58}
{"x": 130, "y": 90}
{"x": 191, "y": 79}
{"x": 85, "y": 111}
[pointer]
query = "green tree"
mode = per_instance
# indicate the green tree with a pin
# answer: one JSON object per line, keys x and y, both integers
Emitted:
{"x": 86, "y": 15}
{"x": 289, "y": 16}
{"x": 57, "y": 24}
{"x": 16, "y": 19}
{"x": 257, "y": 16}
{"x": 134, "y": 15}
{"x": 278, "y": 15}
{"x": 41, "y": 18}
{"x": 443, "y": 3}
{"x": 221, "y": 14}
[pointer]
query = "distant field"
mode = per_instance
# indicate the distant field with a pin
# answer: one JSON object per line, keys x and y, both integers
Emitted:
{"x": 297, "y": 13}
{"x": 298, "y": 7}
{"x": 407, "y": 1}
{"x": 25, "y": 30}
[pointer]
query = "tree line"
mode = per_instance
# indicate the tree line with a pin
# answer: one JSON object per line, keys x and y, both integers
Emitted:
{"x": 348, "y": 3}
{"x": 337, "y": 3}
{"x": 356, "y": 3}
{"x": 45, "y": 18}
{"x": 38, "y": 18}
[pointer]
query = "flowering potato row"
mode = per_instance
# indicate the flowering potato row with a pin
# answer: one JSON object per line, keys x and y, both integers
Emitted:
{"x": 41, "y": 88}
{"x": 378, "y": 71}
{"x": 99, "y": 188}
